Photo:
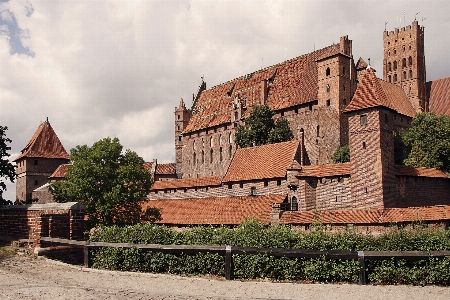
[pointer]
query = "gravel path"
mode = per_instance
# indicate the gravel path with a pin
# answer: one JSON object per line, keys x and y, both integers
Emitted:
{"x": 26, "y": 277}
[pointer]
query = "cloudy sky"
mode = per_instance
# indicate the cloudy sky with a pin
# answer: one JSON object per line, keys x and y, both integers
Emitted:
{"x": 118, "y": 68}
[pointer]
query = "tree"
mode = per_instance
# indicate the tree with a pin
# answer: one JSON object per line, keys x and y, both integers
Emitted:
{"x": 110, "y": 184}
{"x": 7, "y": 170}
{"x": 342, "y": 155}
{"x": 260, "y": 129}
{"x": 428, "y": 142}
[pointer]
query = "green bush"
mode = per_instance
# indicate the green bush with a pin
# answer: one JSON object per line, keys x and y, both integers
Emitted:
{"x": 253, "y": 234}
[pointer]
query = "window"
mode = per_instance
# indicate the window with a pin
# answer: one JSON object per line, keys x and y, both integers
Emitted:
{"x": 236, "y": 116}
{"x": 230, "y": 151}
{"x": 395, "y": 65}
{"x": 220, "y": 154}
{"x": 344, "y": 87}
{"x": 211, "y": 141}
{"x": 404, "y": 63}
{"x": 294, "y": 203}
{"x": 328, "y": 88}
{"x": 230, "y": 186}
{"x": 194, "y": 159}
{"x": 279, "y": 182}
{"x": 282, "y": 113}
{"x": 178, "y": 117}
{"x": 266, "y": 183}
{"x": 318, "y": 130}
{"x": 310, "y": 107}
{"x": 395, "y": 51}
{"x": 253, "y": 190}
{"x": 241, "y": 185}
{"x": 35, "y": 162}
{"x": 410, "y": 73}
{"x": 220, "y": 140}
{"x": 35, "y": 182}
{"x": 389, "y": 78}
{"x": 343, "y": 70}
{"x": 404, "y": 74}
{"x": 364, "y": 145}
{"x": 395, "y": 77}
{"x": 179, "y": 138}
{"x": 410, "y": 61}
{"x": 203, "y": 157}
{"x": 363, "y": 120}
{"x": 211, "y": 156}
{"x": 328, "y": 102}
{"x": 389, "y": 66}
{"x": 328, "y": 72}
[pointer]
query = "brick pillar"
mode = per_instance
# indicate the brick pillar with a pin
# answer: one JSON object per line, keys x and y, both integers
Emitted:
{"x": 76, "y": 225}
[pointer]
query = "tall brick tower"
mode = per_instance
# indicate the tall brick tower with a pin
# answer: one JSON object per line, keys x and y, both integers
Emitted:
{"x": 377, "y": 110}
{"x": 38, "y": 160}
{"x": 404, "y": 63}
{"x": 182, "y": 116}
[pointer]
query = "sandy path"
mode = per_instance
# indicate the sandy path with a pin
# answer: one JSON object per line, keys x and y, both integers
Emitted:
{"x": 25, "y": 277}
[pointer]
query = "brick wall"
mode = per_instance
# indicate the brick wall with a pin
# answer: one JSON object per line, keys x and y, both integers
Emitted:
{"x": 61, "y": 220}
{"x": 422, "y": 191}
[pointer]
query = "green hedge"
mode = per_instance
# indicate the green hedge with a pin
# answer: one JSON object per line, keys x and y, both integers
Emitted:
{"x": 252, "y": 234}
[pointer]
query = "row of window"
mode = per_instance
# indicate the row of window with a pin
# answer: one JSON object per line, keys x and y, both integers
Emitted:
{"x": 395, "y": 50}
{"x": 230, "y": 186}
{"x": 328, "y": 71}
{"x": 212, "y": 141}
{"x": 394, "y": 78}
{"x": 211, "y": 155}
{"x": 394, "y": 64}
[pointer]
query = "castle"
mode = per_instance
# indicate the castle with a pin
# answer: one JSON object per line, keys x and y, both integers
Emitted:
{"x": 329, "y": 100}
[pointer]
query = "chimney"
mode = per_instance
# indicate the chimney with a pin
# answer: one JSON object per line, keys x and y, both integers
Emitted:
{"x": 155, "y": 162}
{"x": 263, "y": 92}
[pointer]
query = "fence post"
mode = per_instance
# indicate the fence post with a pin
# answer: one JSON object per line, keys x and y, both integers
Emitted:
{"x": 228, "y": 263}
{"x": 362, "y": 267}
{"x": 86, "y": 255}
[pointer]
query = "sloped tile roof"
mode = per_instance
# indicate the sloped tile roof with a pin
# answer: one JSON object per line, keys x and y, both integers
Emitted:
{"x": 262, "y": 162}
{"x": 187, "y": 183}
{"x": 374, "y": 92}
{"x": 44, "y": 143}
{"x": 215, "y": 211}
{"x": 162, "y": 169}
{"x": 60, "y": 172}
{"x": 439, "y": 96}
{"x": 295, "y": 83}
{"x": 361, "y": 64}
{"x": 388, "y": 215}
{"x": 325, "y": 171}
{"x": 423, "y": 172}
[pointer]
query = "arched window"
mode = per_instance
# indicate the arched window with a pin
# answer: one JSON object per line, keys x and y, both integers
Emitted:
{"x": 211, "y": 141}
{"x": 395, "y": 51}
{"x": 410, "y": 73}
{"x": 318, "y": 130}
{"x": 194, "y": 159}
{"x": 389, "y": 78}
{"x": 328, "y": 88}
{"x": 404, "y": 74}
{"x": 211, "y": 156}
{"x": 389, "y": 66}
{"x": 395, "y": 65}
{"x": 328, "y": 72}
{"x": 294, "y": 203}
{"x": 404, "y": 63}
{"x": 395, "y": 77}
{"x": 230, "y": 151}
{"x": 220, "y": 154}
{"x": 203, "y": 157}
{"x": 389, "y": 53}
{"x": 410, "y": 61}
{"x": 231, "y": 138}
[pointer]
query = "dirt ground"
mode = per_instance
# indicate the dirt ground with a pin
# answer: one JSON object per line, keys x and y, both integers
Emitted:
{"x": 28, "y": 277}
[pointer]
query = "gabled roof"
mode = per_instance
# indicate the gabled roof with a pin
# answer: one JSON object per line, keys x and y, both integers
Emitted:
{"x": 60, "y": 172}
{"x": 215, "y": 211}
{"x": 374, "y": 92}
{"x": 262, "y": 162}
{"x": 439, "y": 96}
{"x": 374, "y": 216}
{"x": 293, "y": 82}
{"x": 187, "y": 183}
{"x": 44, "y": 143}
{"x": 421, "y": 172}
{"x": 162, "y": 169}
{"x": 361, "y": 64}
{"x": 325, "y": 171}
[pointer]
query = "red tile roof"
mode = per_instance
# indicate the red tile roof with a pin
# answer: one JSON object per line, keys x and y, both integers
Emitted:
{"x": 44, "y": 143}
{"x": 361, "y": 64}
{"x": 374, "y": 92}
{"x": 439, "y": 95}
{"x": 388, "y": 215}
{"x": 187, "y": 183}
{"x": 262, "y": 162}
{"x": 325, "y": 171}
{"x": 60, "y": 172}
{"x": 215, "y": 211}
{"x": 295, "y": 83}
{"x": 162, "y": 169}
{"x": 423, "y": 172}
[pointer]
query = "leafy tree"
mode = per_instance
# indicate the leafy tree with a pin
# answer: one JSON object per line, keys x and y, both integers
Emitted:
{"x": 342, "y": 155}
{"x": 110, "y": 183}
{"x": 7, "y": 170}
{"x": 261, "y": 129}
{"x": 429, "y": 141}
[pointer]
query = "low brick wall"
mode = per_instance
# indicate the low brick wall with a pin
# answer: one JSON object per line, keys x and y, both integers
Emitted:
{"x": 60, "y": 220}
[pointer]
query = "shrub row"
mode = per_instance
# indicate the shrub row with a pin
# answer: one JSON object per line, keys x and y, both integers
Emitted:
{"x": 252, "y": 234}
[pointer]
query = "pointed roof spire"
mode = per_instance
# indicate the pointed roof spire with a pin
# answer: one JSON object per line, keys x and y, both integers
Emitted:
{"x": 44, "y": 143}
{"x": 374, "y": 92}
{"x": 182, "y": 104}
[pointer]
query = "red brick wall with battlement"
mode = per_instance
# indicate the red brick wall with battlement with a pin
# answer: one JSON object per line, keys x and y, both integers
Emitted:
{"x": 59, "y": 220}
